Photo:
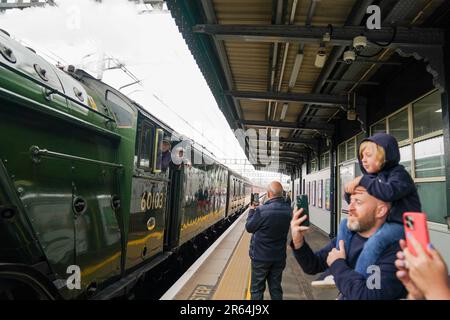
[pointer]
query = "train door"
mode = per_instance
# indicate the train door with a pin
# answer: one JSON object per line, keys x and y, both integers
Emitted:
{"x": 173, "y": 218}
{"x": 148, "y": 197}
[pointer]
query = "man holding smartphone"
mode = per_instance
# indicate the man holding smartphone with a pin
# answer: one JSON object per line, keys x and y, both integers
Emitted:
{"x": 269, "y": 224}
{"x": 366, "y": 215}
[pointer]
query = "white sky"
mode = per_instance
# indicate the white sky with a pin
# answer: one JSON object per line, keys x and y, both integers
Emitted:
{"x": 149, "y": 45}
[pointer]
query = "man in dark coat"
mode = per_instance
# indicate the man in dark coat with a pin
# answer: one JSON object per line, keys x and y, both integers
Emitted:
{"x": 269, "y": 224}
{"x": 367, "y": 214}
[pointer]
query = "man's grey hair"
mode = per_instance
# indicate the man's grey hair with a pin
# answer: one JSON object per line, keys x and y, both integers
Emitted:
{"x": 276, "y": 192}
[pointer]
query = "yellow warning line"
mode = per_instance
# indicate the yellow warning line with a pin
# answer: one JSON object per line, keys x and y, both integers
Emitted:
{"x": 249, "y": 284}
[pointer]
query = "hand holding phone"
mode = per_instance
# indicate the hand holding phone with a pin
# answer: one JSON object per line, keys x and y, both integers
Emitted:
{"x": 415, "y": 223}
{"x": 302, "y": 203}
{"x": 255, "y": 199}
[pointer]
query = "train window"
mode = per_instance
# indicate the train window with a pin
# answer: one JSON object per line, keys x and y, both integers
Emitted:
{"x": 145, "y": 145}
{"x": 122, "y": 111}
{"x": 157, "y": 151}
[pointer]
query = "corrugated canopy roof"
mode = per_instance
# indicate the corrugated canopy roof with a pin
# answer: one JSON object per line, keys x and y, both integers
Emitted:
{"x": 258, "y": 57}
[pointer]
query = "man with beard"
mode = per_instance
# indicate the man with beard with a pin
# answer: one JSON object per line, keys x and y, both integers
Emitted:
{"x": 366, "y": 215}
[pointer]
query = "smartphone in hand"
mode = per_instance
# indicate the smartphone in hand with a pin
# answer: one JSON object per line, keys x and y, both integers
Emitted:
{"x": 416, "y": 224}
{"x": 255, "y": 199}
{"x": 302, "y": 203}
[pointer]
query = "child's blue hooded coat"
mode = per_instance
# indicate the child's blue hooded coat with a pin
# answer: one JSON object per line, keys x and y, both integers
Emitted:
{"x": 393, "y": 183}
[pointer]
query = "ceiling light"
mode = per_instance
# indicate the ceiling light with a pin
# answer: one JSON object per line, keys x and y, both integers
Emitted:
{"x": 284, "y": 111}
{"x": 295, "y": 69}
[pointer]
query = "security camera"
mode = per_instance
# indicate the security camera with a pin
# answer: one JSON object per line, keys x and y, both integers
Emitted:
{"x": 351, "y": 115}
{"x": 360, "y": 43}
{"x": 349, "y": 56}
{"x": 321, "y": 57}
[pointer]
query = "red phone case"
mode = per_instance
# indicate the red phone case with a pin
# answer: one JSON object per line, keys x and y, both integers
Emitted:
{"x": 416, "y": 224}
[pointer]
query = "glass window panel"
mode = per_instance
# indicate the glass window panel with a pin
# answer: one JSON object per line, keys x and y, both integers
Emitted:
{"x": 433, "y": 198}
{"x": 427, "y": 114}
{"x": 359, "y": 138}
{"x": 313, "y": 165}
{"x": 327, "y": 194}
{"x": 346, "y": 174}
{"x": 158, "y": 152}
{"x": 429, "y": 158}
{"x": 123, "y": 112}
{"x": 358, "y": 171}
{"x": 145, "y": 149}
{"x": 405, "y": 157}
{"x": 314, "y": 193}
{"x": 324, "y": 161}
{"x": 341, "y": 152}
{"x": 379, "y": 127}
{"x": 398, "y": 125}
{"x": 351, "y": 149}
{"x": 320, "y": 194}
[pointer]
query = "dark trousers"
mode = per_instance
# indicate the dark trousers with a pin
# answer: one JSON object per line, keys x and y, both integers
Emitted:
{"x": 270, "y": 271}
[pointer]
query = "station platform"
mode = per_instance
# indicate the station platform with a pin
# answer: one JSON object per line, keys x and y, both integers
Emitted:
{"x": 223, "y": 272}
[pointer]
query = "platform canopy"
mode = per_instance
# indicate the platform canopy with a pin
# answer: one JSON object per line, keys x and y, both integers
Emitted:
{"x": 262, "y": 61}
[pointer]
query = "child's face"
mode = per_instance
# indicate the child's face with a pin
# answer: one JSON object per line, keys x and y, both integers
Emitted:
{"x": 369, "y": 159}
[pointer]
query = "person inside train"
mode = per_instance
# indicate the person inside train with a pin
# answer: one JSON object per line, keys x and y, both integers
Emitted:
{"x": 166, "y": 156}
{"x": 385, "y": 179}
{"x": 288, "y": 198}
{"x": 367, "y": 215}
{"x": 425, "y": 276}
{"x": 269, "y": 224}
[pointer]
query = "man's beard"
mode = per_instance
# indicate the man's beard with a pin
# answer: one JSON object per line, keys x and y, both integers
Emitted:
{"x": 361, "y": 225}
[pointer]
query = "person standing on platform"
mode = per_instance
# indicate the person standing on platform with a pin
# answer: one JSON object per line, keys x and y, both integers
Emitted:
{"x": 288, "y": 198}
{"x": 269, "y": 224}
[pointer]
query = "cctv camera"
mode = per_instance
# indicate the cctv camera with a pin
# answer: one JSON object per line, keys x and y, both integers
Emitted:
{"x": 351, "y": 115}
{"x": 349, "y": 56}
{"x": 360, "y": 42}
{"x": 321, "y": 57}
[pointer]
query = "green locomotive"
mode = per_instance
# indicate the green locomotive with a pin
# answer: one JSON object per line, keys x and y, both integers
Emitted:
{"x": 85, "y": 183}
